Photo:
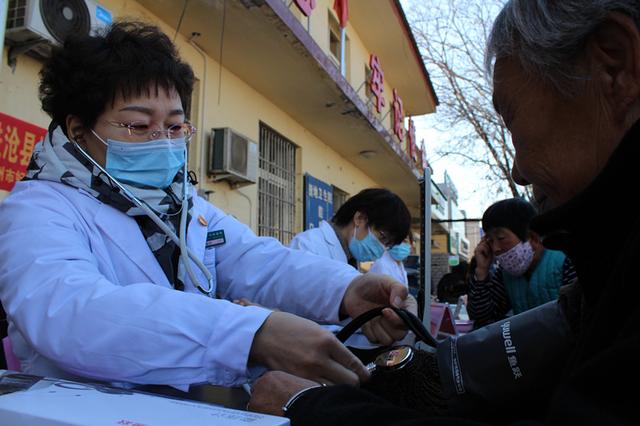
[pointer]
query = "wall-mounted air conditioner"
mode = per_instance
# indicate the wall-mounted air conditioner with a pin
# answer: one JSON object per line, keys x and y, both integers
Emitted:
{"x": 232, "y": 156}
{"x": 35, "y": 25}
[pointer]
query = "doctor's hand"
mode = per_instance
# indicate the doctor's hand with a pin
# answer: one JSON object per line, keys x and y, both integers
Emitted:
{"x": 371, "y": 290}
{"x": 301, "y": 347}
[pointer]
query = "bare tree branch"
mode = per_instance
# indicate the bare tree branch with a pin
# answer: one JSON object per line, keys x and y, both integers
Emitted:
{"x": 451, "y": 36}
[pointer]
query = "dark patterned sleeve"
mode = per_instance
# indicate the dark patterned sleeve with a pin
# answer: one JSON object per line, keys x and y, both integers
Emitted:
{"x": 569, "y": 274}
{"x": 488, "y": 300}
{"x": 348, "y": 406}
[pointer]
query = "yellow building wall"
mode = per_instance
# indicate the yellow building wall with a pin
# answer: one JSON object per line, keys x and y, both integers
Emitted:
{"x": 441, "y": 243}
{"x": 359, "y": 54}
{"x": 240, "y": 107}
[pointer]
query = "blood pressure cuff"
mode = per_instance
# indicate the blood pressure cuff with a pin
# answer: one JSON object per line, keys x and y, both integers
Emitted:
{"x": 507, "y": 368}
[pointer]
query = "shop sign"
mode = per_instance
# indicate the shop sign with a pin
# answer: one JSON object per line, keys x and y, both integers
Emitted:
{"x": 376, "y": 85}
{"x": 412, "y": 148}
{"x": 424, "y": 163}
{"x": 318, "y": 201}
{"x": 398, "y": 116}
{"x": 305, "y": 6}
{"x": 17, "y": 139}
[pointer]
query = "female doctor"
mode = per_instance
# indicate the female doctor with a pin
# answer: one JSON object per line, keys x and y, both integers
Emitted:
{"x": 390, "y": 263}
{"x": 360, "y": 231}
{"x": 111, "y": 266}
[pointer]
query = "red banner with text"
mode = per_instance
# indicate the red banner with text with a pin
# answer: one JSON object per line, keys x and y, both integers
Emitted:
{"x": 17, "y": 139}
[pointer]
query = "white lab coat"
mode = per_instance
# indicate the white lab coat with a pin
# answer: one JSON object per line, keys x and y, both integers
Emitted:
{"x": 85, "y": 296}
{"x": 388, "y": 266}
{"x": 322, "y": 241}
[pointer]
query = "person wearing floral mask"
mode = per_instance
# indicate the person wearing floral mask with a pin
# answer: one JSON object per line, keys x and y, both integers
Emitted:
{"x": 513, "y": 272}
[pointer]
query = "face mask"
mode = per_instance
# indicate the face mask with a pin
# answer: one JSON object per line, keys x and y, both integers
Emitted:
{"x": 400, "y": 252}
{"x": 150, "y": 164}
{"x": 366, "y": 249}
{"x": 517, "y": 260}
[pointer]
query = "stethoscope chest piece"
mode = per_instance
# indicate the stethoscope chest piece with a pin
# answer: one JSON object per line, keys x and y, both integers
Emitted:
{"x": 394, "y": 359}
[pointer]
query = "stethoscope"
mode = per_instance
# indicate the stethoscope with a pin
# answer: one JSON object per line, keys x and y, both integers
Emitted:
{"x": 185, "y": 253}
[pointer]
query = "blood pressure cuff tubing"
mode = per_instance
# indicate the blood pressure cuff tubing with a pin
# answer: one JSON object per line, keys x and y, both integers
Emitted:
{"x": 513, "y": 363}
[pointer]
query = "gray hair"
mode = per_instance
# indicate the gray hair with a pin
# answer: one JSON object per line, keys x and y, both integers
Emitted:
{"x": 547, "y": 36}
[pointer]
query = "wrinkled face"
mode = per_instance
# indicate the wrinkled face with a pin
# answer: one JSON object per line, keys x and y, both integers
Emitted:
{"x": 501, "y": 240}
{"x": 560, "y": 144}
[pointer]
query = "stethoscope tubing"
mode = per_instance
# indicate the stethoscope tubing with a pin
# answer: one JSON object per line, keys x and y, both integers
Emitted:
{"x": 186, "y": 254}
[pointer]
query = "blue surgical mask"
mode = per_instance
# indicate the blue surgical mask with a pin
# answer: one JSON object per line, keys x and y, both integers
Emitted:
{"x": 149, "y": 164}
{"x": 366, "y": 249}
{"x": 400, "y": 252}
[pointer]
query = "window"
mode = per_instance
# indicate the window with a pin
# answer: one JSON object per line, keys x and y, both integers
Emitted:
{"x": 276, "y": 185}
{"x": 339, "y": 198}
{"x": 334, "y": 38}
{"x": 335, "y": 46}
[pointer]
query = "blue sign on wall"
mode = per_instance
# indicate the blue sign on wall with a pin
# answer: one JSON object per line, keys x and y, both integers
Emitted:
{"x": 103, "y": 15}
{"x": 318, "y": 201}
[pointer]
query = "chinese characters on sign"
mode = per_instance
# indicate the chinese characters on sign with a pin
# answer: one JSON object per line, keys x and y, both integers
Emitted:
{"x": 376, "y": 85}
{"x": 412, "y": 148}
{"x": 424, "y": 163}
{"x": 377, "y": 82}
{"x": 318, "y": 201}
{"x": 398, "y": 116}
{"x": 17, "y": 139}
{"x": 306, "y": 6}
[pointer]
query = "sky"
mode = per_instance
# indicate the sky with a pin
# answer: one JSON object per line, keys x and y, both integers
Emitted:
{"x": 474, "y": 196}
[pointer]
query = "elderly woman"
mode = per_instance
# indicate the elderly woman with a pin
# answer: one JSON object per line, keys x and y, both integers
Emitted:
{"x": 111, "y": 266}
{"x": 566, "y": 79}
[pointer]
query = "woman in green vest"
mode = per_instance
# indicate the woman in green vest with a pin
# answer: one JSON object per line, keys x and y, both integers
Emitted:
{"x": 513, "y": 272}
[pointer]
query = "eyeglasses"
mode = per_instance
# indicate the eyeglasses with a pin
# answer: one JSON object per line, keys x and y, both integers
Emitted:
{"x": 141, "y": 131}
{"x": 384, "y": 239}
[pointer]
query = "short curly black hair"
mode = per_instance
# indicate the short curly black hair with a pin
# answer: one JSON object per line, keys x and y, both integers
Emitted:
{"x": 385, "y": 211}
{"x": 86, "y": 74}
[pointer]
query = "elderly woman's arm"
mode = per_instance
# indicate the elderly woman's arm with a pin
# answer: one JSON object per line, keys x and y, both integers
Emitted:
{"x": 311, "y": 405}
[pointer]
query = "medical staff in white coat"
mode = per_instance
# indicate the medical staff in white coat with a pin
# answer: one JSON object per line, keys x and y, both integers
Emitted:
{"x": 390, "y": 263}
{"x": 324, "y": 241}
{"x": 360, "y": 231}
{"x": 111, "y": 266}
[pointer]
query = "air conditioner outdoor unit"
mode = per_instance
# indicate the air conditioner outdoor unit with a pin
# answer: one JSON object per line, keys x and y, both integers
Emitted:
{"x": 232, "y": 156}
{"x": 35, "y": 25}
